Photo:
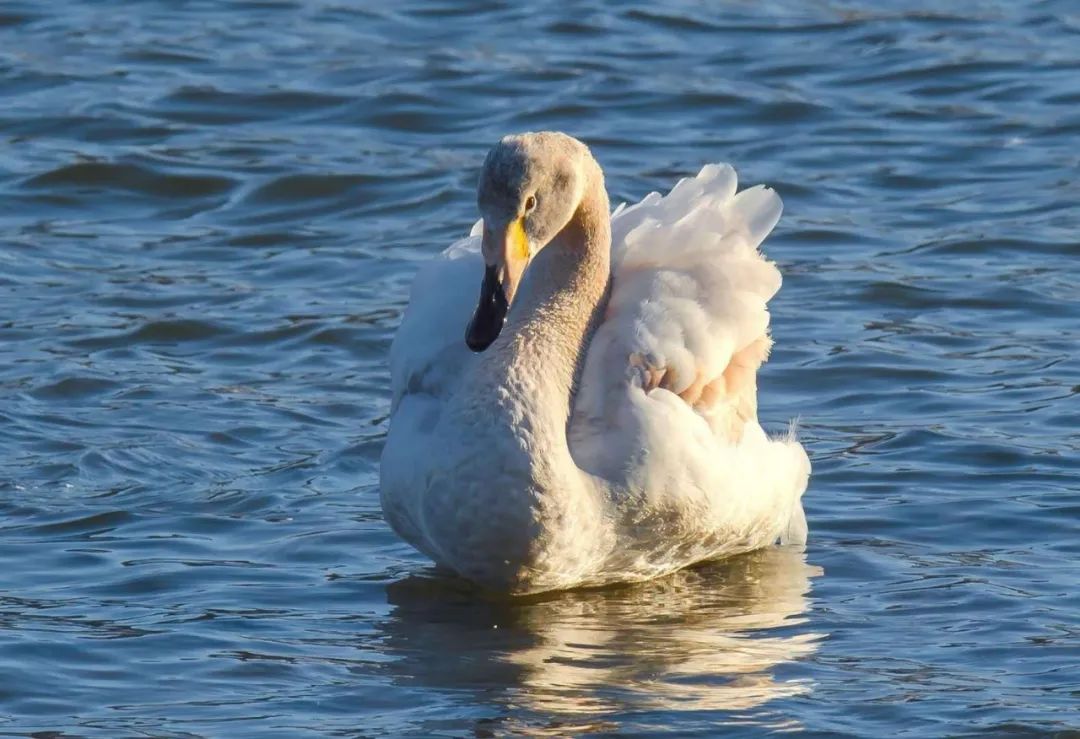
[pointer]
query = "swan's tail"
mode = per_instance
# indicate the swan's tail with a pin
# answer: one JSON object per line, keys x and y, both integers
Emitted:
{"x": 796, "y": 530}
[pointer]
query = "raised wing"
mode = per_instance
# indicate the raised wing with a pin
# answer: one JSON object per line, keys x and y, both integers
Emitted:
{"x": 688, "y": 311}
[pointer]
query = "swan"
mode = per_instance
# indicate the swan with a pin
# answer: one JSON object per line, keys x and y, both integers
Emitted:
{"x": 598, "y": 422}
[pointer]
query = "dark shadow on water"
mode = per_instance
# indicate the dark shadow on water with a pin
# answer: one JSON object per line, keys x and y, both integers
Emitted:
{"x": 706, "y": 639}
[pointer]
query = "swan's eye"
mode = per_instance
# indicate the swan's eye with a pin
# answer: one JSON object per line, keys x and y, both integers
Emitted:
{"x": 530, "y": 204}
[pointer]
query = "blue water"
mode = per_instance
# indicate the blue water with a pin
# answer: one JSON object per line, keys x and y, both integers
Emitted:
{"x": 210, "y": 213}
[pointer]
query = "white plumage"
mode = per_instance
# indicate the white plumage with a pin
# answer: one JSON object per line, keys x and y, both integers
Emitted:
{"x": 662, "y": 463}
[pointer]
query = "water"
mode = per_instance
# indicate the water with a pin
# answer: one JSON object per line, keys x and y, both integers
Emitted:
{"x": 210, "y": 213}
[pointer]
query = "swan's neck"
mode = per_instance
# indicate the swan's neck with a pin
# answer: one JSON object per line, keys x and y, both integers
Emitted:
{"x": 532, "y": 368}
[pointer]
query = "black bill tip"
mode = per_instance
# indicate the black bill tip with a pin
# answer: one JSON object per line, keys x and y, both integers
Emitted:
{"x": 487, "y": 320}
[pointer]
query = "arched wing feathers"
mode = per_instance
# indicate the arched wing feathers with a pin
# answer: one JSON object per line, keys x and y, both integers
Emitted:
{"x": 688, "y": 310}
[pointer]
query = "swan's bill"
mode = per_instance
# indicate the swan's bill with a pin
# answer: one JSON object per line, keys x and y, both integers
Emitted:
{"x": 487, "y": 320}
{"x": 506, "y": 254}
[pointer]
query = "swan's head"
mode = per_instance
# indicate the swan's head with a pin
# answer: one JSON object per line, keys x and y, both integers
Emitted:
{"x": 530, "y": 188}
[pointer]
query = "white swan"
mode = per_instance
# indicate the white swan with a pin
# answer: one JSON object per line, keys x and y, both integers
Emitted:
{"x": 608, "y": 431}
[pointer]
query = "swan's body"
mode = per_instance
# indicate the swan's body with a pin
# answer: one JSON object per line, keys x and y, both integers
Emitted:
{"x": 610, "y": 431}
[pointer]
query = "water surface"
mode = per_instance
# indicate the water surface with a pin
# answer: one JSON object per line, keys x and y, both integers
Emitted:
{"x": 210, "y": 213}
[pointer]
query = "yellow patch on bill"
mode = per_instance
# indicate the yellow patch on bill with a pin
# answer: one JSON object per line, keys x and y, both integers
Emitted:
{"x": 518, "y": 240}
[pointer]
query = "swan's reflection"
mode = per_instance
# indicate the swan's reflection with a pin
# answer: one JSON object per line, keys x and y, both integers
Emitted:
{"x": 702, "y": 639}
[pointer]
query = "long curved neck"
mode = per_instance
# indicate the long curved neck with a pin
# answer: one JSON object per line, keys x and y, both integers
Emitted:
{"x": 532, "y": 369}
